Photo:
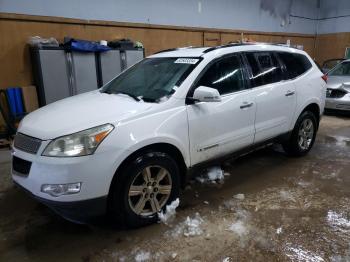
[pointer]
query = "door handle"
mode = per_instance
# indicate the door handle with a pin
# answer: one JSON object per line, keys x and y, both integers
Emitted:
{"x": 246, "y": 105}
{"x": 289, "y": 93}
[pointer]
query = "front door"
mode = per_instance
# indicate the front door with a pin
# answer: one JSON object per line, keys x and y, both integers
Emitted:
{"x": 218, "y": 128}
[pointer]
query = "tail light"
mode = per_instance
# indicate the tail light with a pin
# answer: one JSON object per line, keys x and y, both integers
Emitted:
{"x": 325, "y": 78}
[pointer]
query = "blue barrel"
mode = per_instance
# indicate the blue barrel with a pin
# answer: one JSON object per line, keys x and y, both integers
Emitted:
{"x": 11, "y": 98}
{"x": 19, "y": 101}
{"x": 14, "y": 97}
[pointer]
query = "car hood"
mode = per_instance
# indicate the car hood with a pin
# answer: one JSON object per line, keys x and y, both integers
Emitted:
{"x": 80, "y": 112}
{"x": 335, "y": 82}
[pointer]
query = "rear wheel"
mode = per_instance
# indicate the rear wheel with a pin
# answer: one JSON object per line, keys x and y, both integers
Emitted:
{"x": 303, "y": 135}
{"x": 143, "y": 188}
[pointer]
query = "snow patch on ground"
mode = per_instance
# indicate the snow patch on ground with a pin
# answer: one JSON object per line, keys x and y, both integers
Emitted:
{"x": 332, "y": 175}
{"x": 142, "y": 256}
{"x": 240, "y": 225}
{"x": 192, "y": 226}
{"x": 279, "y": 230}
{"x": 303, "y": 184}
{"x": 239, "y": 196}
{"x": 337, "y": 220}
{"x": 189, "y": 228}
{"x": 287, "y": 195}
{"x": 213, "y": 175}
{"x": 341, "y": 141}
{"x": 168, "y": 215}
{"x": 299, "y": 254}
{"x": 233, "y": 204}
{"x": 239, "y": 228}
{"x": 341, "y": 258}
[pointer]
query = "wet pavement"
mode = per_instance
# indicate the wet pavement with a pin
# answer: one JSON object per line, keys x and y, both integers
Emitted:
{"x": 268, "y": 208}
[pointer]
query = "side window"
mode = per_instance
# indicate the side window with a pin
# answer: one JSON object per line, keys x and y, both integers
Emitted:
{"x": 225, "y": 75}
{"x": 296, "y": 64}
{"x": 257, "y": 78}
{"x": 265, "y": 68}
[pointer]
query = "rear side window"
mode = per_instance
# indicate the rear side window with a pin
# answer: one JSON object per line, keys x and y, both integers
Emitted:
{"x": 265, "y": 68}
{"x": 257, "y": 77}
{"x": 296, "y": 64}
{"x": 225, "y": 75}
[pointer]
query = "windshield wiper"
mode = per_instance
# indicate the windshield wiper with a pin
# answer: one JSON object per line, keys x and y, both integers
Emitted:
{"x": 131, "y": 95}
{"x": 151, "y": 100}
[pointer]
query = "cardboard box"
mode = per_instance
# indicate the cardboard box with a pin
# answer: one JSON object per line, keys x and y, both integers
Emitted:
{"x": 30, "y": 98}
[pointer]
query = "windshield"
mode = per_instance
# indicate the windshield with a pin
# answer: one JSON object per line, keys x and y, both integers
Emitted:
{"x": 342, "y": 69}
{"x": 152, "y": 79}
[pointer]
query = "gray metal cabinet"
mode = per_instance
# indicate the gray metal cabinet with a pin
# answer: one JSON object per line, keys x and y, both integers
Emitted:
{"x": 59, "y": 73}
{"x": 131, "y": 57}
{"x": 51, "y": 75}
{"x": 110, "y": 65}
{"x": 83, "y": 72}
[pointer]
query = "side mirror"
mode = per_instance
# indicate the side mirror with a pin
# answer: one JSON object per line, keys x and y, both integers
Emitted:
{"x": 206, "y": 94}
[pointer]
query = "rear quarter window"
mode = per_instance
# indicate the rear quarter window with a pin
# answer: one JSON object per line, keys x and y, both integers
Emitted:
{"x": 295, "y": 64}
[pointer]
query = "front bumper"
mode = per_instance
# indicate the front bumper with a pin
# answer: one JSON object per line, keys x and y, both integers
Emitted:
{"x": 94, "y": 172}
{"x": 338, "y": 103}
{"x": 81, "y": 212}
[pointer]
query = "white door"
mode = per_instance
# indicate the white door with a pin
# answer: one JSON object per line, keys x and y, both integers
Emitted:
{"x": 218, "y": 128}
{"x": 275, "y": 98}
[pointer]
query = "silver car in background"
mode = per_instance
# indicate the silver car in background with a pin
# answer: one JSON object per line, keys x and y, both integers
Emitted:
{"x": 338, "y": 87}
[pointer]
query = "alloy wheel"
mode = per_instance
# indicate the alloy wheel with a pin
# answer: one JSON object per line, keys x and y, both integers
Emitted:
{"x": 150, "y": 190}
{"x": 305, "y": 134}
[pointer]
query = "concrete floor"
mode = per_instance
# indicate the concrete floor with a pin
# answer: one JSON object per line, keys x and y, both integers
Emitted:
{"x": 287, "y": 209}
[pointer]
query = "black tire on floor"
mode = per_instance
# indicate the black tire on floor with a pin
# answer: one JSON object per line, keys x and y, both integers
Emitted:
{"x": 120, "y": 207}
{"x": 292, "y": 147}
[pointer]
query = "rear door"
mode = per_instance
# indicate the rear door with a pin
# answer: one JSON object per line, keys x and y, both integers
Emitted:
{"x": 218, "y": 128}
{"x": 275, "y": 98}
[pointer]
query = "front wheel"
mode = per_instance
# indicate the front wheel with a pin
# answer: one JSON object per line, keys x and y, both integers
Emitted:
{"x": 303, "y": 135}
{"x": 143, "y": 188}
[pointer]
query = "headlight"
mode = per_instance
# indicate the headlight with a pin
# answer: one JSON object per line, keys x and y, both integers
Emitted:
{"x": 78, "y": 144}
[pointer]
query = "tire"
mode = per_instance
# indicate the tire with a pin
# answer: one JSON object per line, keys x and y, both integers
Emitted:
{"x": 301, "y": 142}
{"x": 131, "y": 180}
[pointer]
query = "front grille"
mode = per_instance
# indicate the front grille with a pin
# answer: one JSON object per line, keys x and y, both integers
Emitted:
{"x": 335, "y": 93}
{"x": 21, "y": 166}
{"x": 26, "y": 143}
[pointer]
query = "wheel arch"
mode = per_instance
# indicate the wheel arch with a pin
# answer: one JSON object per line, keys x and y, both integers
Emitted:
{"x": 312, "y": 106}
{"x": 163, "y": 147}
{"x": 315, "y": 109}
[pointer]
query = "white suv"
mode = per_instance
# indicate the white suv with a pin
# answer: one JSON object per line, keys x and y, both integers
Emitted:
{"x": 126, "y": 149}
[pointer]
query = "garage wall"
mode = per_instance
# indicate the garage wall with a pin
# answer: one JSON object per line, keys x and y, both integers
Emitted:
{"x": 334, "y": 29}
{"x": 15, "y": 66}
{"x": 158, "y": 24}
{"x": 253, "y": 15}
{"x": 334, "y": 16}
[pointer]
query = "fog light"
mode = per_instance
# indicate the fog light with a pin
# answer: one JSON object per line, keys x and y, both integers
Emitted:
{"x": 61, "y": 189}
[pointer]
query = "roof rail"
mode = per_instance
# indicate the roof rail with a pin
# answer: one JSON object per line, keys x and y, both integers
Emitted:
{"x": 209, "y": 49}
{"x": 174, "y": 49}
{"x": 243, "y": 44}
{"x": 224, "y": 46}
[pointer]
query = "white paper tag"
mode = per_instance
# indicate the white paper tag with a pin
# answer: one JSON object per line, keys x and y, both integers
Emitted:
{"x": 191, "y": 61}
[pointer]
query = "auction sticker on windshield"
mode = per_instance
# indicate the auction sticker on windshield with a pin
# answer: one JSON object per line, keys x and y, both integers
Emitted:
{"x": 191, "y": 61}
